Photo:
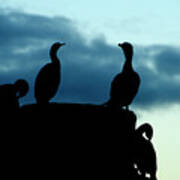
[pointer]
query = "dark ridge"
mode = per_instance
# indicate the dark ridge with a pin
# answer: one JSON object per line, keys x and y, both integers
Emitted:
{"x": 71, "y": 140}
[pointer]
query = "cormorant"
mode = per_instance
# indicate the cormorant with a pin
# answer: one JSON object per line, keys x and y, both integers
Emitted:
{"x": 10, "y": 94}
{"x": 144, "y": 154}
{"x": 21, "y": 87}
{"x": 48, "y": 79}
{"x": 125, "y": 85}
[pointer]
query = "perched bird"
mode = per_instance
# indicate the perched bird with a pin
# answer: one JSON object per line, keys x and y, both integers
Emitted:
{"x": 10, "y": 94}
{"x": 48, "y": 79}
{"x": 144, "y": 154}
{"x": 21, "y": 88}
{"x": 125, "y": 85}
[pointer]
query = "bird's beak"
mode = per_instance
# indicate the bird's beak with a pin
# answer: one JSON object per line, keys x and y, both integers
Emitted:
{"x": 62, "y": 44}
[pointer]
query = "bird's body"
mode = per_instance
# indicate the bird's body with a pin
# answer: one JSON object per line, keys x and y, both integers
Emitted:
{"x": 47, "y": 82}
{"x": 124, "y": 88}
{"x": 125, "y": 85}
{"x": 48, "y": 79}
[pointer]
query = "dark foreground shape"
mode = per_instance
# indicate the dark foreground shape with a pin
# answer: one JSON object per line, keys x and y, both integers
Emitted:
{"x": 70, "y": 141}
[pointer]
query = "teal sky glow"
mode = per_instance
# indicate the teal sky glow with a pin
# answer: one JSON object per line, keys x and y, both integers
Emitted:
{"x": 141, "y": 22}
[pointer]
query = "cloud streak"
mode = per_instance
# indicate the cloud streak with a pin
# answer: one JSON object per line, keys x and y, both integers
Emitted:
{"x": 88, "y": 67}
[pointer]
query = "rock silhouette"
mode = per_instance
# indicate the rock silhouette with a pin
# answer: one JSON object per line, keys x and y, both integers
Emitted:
{"x": 125, "y": 85}
{"x": 48, "y": 79}
{"x": 87, "y": 140}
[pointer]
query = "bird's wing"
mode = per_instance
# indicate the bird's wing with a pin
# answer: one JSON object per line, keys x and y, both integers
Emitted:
{"x": 47, "y": 81}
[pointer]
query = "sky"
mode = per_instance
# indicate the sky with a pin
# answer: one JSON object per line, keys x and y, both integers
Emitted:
{"x": 91, "y": 57}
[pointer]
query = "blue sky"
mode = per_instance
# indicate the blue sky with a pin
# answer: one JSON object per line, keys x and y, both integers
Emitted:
{"x": 91, "y": 57}
{"x": 115, "y": 19}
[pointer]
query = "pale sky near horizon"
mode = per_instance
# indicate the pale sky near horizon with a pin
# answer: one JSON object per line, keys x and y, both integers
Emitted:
{"x": 141, "y": 22}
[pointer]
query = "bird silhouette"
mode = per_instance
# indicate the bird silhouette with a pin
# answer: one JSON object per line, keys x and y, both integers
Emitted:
{"x": 125, "y": 85}
{"x": 144, "y": 154}
{"x": 10, "y": 94}
{"x": 48, "y": 79}
{"x": 21, "y": 88}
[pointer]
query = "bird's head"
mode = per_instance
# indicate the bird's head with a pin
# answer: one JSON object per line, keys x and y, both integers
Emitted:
{"x": 127, "y": 48}
{"x": 21, "y": 87}
{"x": 56, "y": 46}
{"x": 148, "y": 131}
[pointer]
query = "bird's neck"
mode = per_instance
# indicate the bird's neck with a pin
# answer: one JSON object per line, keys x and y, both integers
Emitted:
{"x": 128, "y": 63}
{"x": 53, "y": 55}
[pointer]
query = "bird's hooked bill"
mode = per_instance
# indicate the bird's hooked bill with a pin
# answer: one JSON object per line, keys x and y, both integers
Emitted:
{"x": 62, "y": 44}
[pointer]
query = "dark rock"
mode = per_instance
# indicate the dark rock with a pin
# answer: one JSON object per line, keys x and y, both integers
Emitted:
{"x": 70, "y": 141}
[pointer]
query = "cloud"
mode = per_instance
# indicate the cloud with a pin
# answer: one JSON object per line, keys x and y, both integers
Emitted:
{"x": 88, "y": 67}
{"x": 168, "y": 61}
{"x": 160, "y": 76}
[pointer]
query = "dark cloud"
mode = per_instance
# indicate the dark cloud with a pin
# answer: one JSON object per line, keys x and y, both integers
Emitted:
{"x": 168, "y": 61}
{"x": 160, "y": 80}
{"x": 87, "y": 66}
